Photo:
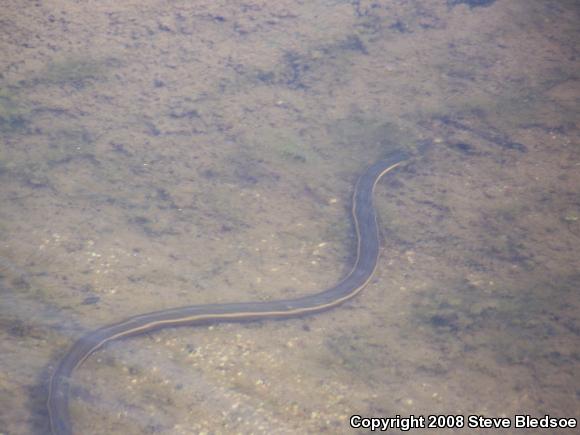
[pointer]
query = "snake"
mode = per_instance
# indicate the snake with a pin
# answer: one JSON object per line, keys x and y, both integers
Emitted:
{"x": 364, "y": 218}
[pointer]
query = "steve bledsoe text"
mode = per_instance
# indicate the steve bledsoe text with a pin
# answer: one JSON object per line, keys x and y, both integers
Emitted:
{"x": 460, "y": 421}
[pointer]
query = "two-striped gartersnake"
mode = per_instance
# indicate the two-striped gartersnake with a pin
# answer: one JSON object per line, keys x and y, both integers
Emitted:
{"x": 367, "y": 253}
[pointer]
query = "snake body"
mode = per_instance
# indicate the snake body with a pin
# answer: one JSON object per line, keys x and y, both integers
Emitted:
{"x": 367, "y": 253}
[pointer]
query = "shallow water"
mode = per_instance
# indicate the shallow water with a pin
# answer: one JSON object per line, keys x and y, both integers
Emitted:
{"x": 161, "y": 154}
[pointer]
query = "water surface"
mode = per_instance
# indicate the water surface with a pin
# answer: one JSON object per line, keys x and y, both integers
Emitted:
{"x": 157, "y": 154}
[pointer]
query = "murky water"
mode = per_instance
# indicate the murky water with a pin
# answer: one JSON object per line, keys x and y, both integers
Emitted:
{"x": 158, "y": 154}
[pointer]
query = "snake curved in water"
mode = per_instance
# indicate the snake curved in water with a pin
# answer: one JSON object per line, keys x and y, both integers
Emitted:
{"x": 367, "y": 254}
